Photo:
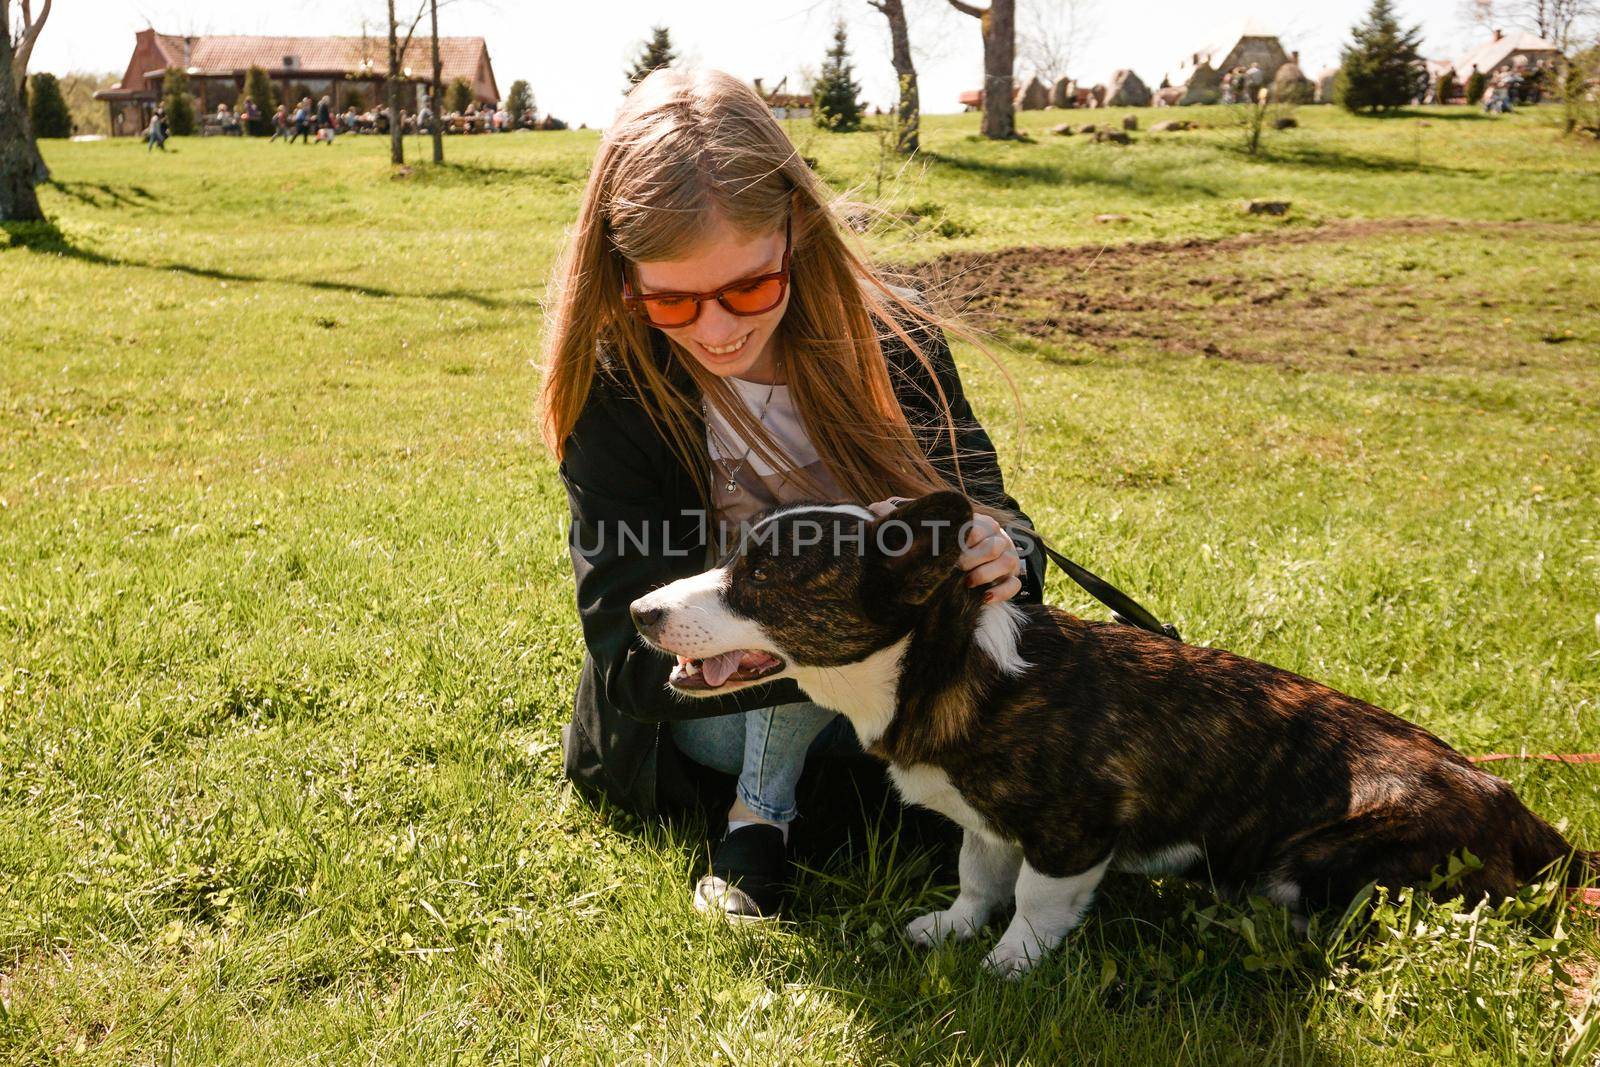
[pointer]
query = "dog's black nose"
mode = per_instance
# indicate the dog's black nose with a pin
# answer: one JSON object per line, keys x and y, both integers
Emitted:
{"x": 645, "y": 619}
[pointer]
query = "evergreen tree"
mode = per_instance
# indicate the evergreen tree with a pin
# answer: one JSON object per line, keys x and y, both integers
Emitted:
{"x": 179, "y": 102}
{"x": 259, "y": 88}
{"x": 836, "y": 103}
{"x": 47, "y": 108}
{"x": 1381, "y": 69}
{"x": 520, "y": 100}
{"x": 1476, "y": 82}
{"x": 653, "y": 55}
{"x": 1446, "y": 87}
{"x": 459, "y": 96}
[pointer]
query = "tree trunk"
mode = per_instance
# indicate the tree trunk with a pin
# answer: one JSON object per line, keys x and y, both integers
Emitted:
{"x": 433, "y": 87}
{"x": 999, "y": 60}
{"x": 397, "y": 144}
{"x": 19, "y": 156}
{"x": 908, "y": 111}
{"x": 999, "y": 23}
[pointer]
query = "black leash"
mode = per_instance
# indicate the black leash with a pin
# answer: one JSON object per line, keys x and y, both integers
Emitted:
{"x": 1123, "y": 607}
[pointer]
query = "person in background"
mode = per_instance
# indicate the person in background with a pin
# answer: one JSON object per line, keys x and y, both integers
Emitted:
{"x": 280, "y": 124}
{"x": 1254, "y": 78}
{"x": 325, "y": 117}
{"x": 301, "y": 121}
{"x": 155, "y": 134}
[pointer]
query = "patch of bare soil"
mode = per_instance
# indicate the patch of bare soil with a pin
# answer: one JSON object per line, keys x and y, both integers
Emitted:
{"x": 1258, "y": 297}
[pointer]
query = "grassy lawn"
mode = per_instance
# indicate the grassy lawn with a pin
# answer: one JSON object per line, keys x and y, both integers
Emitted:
{"x": 286, "y": 631}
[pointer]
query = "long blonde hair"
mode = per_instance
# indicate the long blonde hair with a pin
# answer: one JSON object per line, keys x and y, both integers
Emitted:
{"x": 686, "y": 146}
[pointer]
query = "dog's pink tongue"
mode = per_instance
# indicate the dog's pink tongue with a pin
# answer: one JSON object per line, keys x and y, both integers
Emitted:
{"x": 719, "y": 669}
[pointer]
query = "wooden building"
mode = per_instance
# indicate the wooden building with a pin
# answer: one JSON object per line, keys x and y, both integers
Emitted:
{"x": 348, "y": 69}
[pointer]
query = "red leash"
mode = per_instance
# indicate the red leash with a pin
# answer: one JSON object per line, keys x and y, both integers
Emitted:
{"x": 1553, "y": 757}
{"x": 1588, "y": 897}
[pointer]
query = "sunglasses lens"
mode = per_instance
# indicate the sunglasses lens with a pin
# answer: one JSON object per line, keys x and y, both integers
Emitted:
{"x": 754, "y": 298}
{"x": 671, "y": 310}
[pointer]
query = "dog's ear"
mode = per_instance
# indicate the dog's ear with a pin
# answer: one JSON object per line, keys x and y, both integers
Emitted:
{"x": 917, "y": 544}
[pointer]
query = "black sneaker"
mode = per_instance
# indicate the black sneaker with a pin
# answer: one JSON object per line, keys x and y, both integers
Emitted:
{"x": 749, "y": 875}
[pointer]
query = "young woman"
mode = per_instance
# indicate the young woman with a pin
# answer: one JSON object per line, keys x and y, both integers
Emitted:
{"x": 715, "y": 347}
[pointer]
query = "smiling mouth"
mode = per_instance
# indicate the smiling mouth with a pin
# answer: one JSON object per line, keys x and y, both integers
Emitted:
{"x": 714, "y": 672}
{"x": 724, "y": 351}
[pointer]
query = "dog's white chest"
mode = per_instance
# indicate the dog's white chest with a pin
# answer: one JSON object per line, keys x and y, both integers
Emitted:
{"x": 931, "y": 788}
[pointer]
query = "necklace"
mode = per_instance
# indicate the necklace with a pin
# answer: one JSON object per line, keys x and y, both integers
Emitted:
{"x": 732, "y": 484}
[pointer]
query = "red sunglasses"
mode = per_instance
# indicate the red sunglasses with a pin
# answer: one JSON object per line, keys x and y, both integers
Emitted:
{"x": 747, "y": 296}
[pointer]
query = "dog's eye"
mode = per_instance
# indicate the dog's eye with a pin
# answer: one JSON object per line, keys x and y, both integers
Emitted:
{"x": 759, "y": 574}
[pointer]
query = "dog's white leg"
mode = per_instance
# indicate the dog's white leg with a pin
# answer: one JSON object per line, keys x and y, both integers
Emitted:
{"x": 1047, "y": 908}
{"x": 988, "y": 880}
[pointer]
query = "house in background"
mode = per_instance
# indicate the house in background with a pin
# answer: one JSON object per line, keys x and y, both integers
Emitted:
{"x": 344, "y": 68}
{"x": 785, "y": 105}
{"x": 1251, "y": 43}
{"x": 1505, "y": 50}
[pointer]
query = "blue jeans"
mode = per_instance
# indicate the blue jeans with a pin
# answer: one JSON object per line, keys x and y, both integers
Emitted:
{"x": 766, "y": 749}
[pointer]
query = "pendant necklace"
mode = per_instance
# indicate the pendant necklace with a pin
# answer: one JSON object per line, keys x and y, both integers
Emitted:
{"x": 732, "y": 484}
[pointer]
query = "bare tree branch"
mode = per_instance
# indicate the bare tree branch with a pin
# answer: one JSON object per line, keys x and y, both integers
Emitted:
{"x": 26, "y": 36}
{"x": 1051, "y": 38}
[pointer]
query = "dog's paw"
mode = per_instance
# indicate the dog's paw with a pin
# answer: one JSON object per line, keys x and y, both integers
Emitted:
{"x": 939, "y": 926}
{"x": 1011, "y": 959}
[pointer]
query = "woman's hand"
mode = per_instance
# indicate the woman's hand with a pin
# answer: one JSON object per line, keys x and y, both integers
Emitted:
{"x": 988, "y": 556}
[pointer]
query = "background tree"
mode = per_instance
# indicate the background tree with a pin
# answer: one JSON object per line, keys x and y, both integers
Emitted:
{"x": 399, "y": 45}
{"x": 47, "y": 109}
{"x": 836, "y": 98}
{"x": 1580, "y": 91}
{"x": 999, "y": 24}
{"x": 258, "y": 88}
{"x": 519, "y": 100}
{"x": 435, "y": 88}
{"x": 178, "y": 99}
{"x": 1051, "y": 35}
{"x": 21, "y": 165}
{"x": 653, "y": 55}
{"x": 88, "y": 114}
{"x": 908, "y": 109}
{"x": 1445, "y": 88}
{"x": 1477, "y": 81}
{"x": 1381, "y": 69}
{"x": 459, "y": 98}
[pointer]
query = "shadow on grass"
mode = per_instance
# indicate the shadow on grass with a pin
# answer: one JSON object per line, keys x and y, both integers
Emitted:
{"x": 46, "y": 238}
{"x": 90, "y": 193}
{"x": 1466, "y": 114}
{"x": 997, "y": 173}
{"x": 476, "y": 173}
{"x": 1010, "y": 174}
{"x": 1349, "y": 162}
{"x": 1143, "y": 975}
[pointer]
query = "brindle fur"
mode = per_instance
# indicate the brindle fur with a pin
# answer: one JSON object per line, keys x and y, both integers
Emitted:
{"x": 1115, "y": 741}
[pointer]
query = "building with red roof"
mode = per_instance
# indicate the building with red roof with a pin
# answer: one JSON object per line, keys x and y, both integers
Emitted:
{"x": 344, "y": 68}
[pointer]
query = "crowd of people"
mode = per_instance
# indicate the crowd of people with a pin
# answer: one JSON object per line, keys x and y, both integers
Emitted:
{"x": 1520, "y": 83}
{"x": 1241, "y": 84}
{"x": 307, "y": 121}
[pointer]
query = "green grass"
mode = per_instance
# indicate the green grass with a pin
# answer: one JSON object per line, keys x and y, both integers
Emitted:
{"x": 286, "y": 631}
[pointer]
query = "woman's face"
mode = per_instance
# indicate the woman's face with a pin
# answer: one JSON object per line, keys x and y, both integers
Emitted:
{"x": 727, "y": 345}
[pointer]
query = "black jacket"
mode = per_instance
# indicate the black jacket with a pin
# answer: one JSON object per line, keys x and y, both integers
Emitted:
{"x": 619, "y": 472}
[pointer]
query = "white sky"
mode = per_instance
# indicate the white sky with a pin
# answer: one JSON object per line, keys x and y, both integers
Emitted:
{"x": 573, "y": 54}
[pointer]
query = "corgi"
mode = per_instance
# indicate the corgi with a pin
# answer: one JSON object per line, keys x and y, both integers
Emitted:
{"x": 1066, "y": 748}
